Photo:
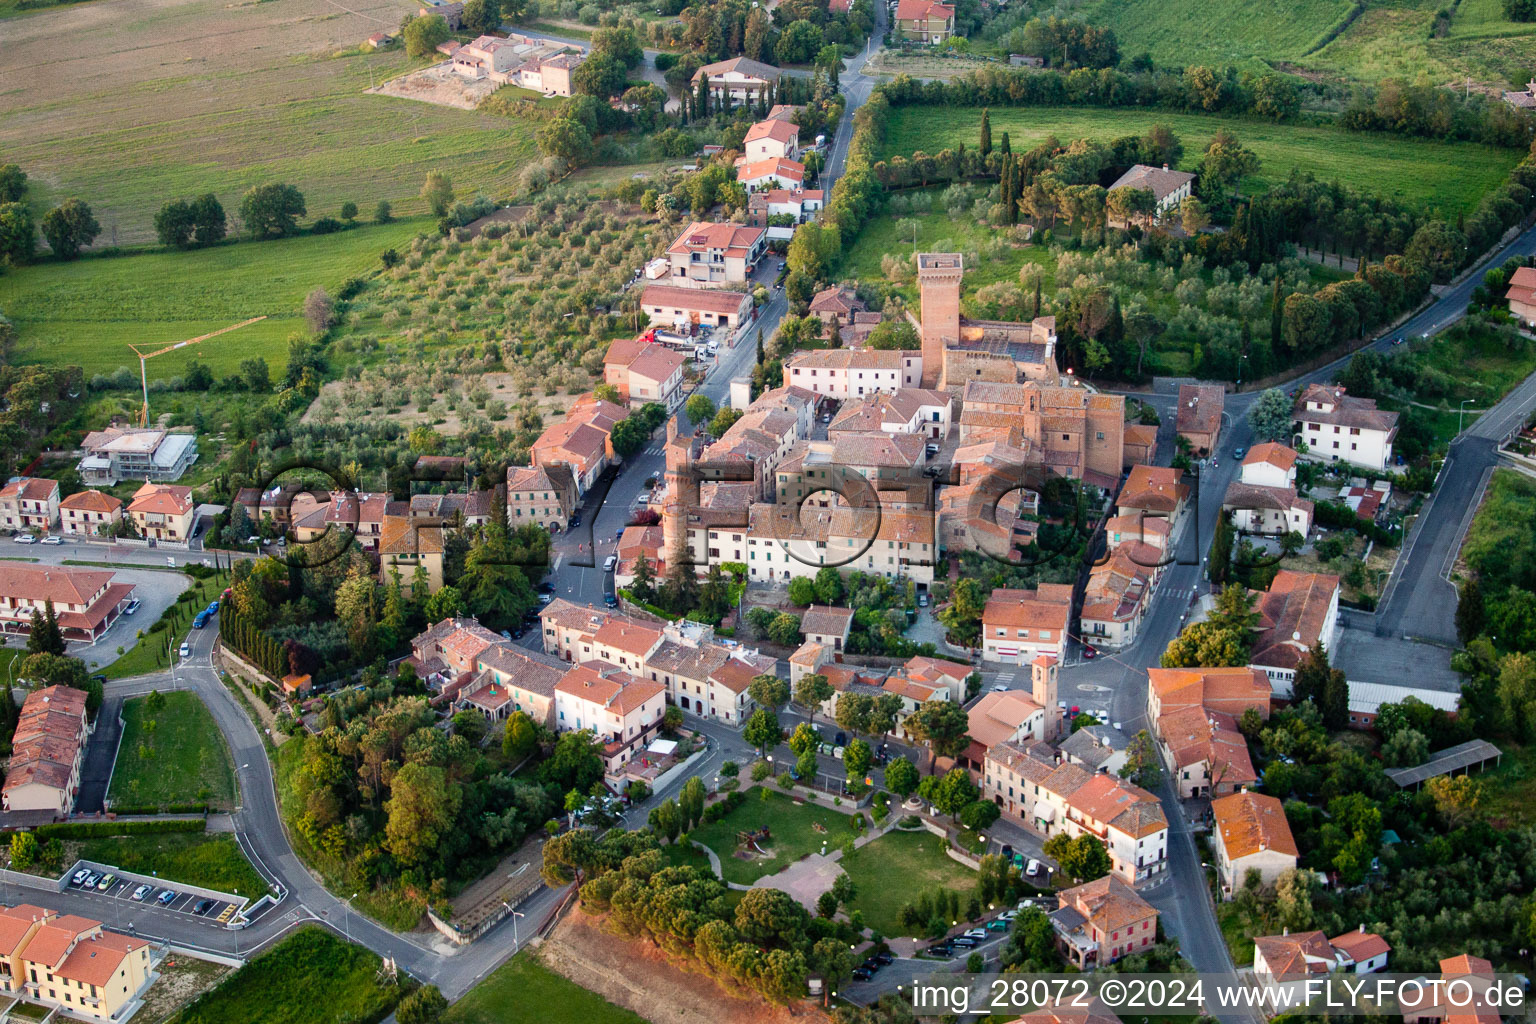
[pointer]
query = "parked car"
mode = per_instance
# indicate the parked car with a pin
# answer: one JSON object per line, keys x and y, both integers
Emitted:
{"x": 546, "y": 587}
{"x": 1238, "y": 453}
{"x": 862, "y": 974}
{"x": 140, "y": 893}
{"x": 78, "y": 878}
{"x": 922, "y": 600}
{"x": 53, "y": 540}
{"x": 975, "y": 933}
{"x": 871, "y": 964}
{"x": 1033, "y": 868}
{"x": 25, "y": 538}
{"x": 165, "y": 897}
{"x": 610, "y": 562}
{"x": 964, "y": 942}
{"x": 202, "y": 907}
{"x": 133, "y": 606}
{"x": 107, "y": 881}
{"x": 1008, "y": 915}
{"x": 841, "y": 740}
{"x": 575, "y": 522}
{"x": 883, "y": 958}
{"x": 942, "y": 949}
{"x": 998, "y": 925}
{"x": 931, "y": 450}
{"x": 1090, "y": 652}
{"x": 91, "y": 878}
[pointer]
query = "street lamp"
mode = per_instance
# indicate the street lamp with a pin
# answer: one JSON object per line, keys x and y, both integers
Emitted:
{"x": 1459, "y": 413}
{"x": 515, "y": 916}
{"x": 346, "y": 913}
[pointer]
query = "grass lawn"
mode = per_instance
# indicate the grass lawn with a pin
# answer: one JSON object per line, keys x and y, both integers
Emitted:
{"x": 1451, "y": 176}
{"x": 210, "y": 859}
{"x": 1509, "y": 791}
{"x": 173, "y": 756}
{"x": 1217, "y": 32}
{"x": 164, "y": 297}
{"x": 311, "y": 977}
{"x": 524, "y": 991}
{"x": 917, "y": 859}
{"x": 790, "y": 824}
{"x": 879, "y": 237}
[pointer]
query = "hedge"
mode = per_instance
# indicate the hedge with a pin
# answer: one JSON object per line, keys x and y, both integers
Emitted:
{"x": 95, "y": 829}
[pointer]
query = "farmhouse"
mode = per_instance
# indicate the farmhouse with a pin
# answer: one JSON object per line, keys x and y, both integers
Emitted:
{"x": 84, "y": 513}
{"x": 29, "y": 503}
{"x": 1168, "y": 188}
{"x": 775, "y": 138}
{"x": 135, "y": 453}
{"x": 670, "y": 306}
{"x": 1339, "y": 427}
{"x": 738, "y": 80}
{"x": 836, "y": 304}
{"x": 1522, "y": 296}
{"x": 926, "y": 21}
{"x": 85, "y": 601}
{"x": 1250, "y": 833}
{"x": 48, "y": 750}
{"x": 716, "y": 253}
{"x": 162, "y": 512}
{"x": 451, "y": 11}
{"x": 549, "y": 74}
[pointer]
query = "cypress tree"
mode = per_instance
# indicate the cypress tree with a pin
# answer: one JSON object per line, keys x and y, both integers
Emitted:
{"x": 1006, "y": 147}
{"x": 986, "y": 132}
{"x": 1276, "y": 308}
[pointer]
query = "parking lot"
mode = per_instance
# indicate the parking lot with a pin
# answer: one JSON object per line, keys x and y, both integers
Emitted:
{"x": 182, "y": 903}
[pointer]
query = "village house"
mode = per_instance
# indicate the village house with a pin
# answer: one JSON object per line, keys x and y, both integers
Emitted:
{"x": 670, "y": 306}
{"x": 925, "y": 21}
{"x": 904, "y": 411}
{"x": 937, "y": 671}
{"x": 162, "y": 512}
{"x": 1300, "y": 955}
{"x": 582, "y": 441}
{"x": 451, "y": 511}
{"x": 1138, "y": 531}
{"x": 1522, "y": 295}
{"x": 1250, "y": 834}
{"x": 1002, "y": 717}
{"x": 549, "y": 74}
{"x": 1118, "y": 594}
{"x": 72, "y": 964}
{"x": 1169, "y": 188}
{"x": 781, "y": 210}
{"x": 359, "y": 513}
{"x": 1298, "y": 610}
{"x": 511, "y": 680}
{"x": 47, "y": 752}
{"x": 1263, "y": 499}
{"x": 448, "y": 652}
{"x": 1140, "y": 444}
{"x": 822, "y": 624}
{"x": 85, "y": 601}
{"x": 836, "y": 304}
{"x": 135, "y": 453}
{"x": 1102, "y": 921}
{"x": 540, "y": 494}
{"x": 716, "y": 253}
{"x": 772, "y": 139}
{"x": 1230, "y": 691}
{"x": 623, "y": 712}
{"x": 451, "y": 11}
{"x": 85, "y": 513}
{"x": 774, "y": 173}
{"x": 1199, "y": 417}
{"x": 29, "y": 503}
{"x": 1338, "y": 427}
{"x": 1018, "y": 626}
{"x": 1206, "y": 753}
{"x": 1099, "y": 748}
{"x": 1153, "y": 492}
{"x": 1525, "y": 100}
{"x": 644, "y": 372}
{"x": 738, "y": 80}
{"x": 406, "y": 545}
{"x": 785, "y": 542}
{"x": 852, "y": 373}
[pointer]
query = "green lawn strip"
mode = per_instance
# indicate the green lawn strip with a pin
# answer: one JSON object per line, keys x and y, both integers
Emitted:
{"x": 891, "y": 871}
{"x": 212, "y": 860}
{"x": 1217, "y": 32}
{"x": 159, "y": 298}
{"x": 173, "y": 756}
{"x": 791, "y": 827}
{"x": 311, "y": 977}
{"x": 524, "y": 991}
{"x": 1451, "y": 176}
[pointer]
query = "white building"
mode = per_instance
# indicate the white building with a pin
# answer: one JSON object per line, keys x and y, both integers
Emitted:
{"x": 738, "y": 80}
{"x": 1339, "y": 428}
{"x": 134, "y": 453}
{"x": 716, "y": 253}
{"x": 1299, "y": 610}
{"x": 772, "y": 139}
{"x": 852, "y": 373}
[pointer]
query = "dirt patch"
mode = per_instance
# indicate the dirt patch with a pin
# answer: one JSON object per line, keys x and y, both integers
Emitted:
{"x": 925, "y": 64}
{"x": 642, "y": 978}
{"x": 438, "y": 84}
{"x": 182, "y": 979}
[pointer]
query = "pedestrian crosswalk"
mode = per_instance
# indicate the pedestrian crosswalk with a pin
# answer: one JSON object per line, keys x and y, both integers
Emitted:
{"x": 655, "y": 449}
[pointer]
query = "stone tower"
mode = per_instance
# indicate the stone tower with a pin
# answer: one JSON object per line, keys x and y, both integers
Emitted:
{"x": 682, "y": 494}
{"x": 938, "y": 282}
{"x": 1043, "y": 680}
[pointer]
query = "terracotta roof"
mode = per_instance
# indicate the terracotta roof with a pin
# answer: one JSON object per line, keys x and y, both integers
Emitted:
{"x": 569, "y": 615}
{"x": 166, "y": 499}
{"x": 777, "y": 130}
{"x": 1295, "y": 955}
{"x": 1249, "y": 823}
{"x": 657, "y": 363}
{"x": 1465, "y": 964}
{"x": 617, "y": 691}
{"x": 1026, "y": 609}
{"x": 95, "y": 960}
{"x": 913, "y": 10}
{"x": 821, "y": 620}
{"x": 625, "y": 634}
{"x": 807, "y": 653}
{"x": 1292, "y": 614}
{"x": 1229, "y": 690}
{"x": 30, "y": 488}
{"x": 740, "y": 669}
{"x": 1200, "y": 408}
{"x": 1361, "y": 945}
{"x": 1193, "y": 735}
{"x": 705, "y": 300}
{"x": 1343, "y": 410}
{"x": 847, "y": 359}
{"x": 925, "y": 669}
{"x": 51, "y": 943}
{"x": 1118, "y": 804}
{"x": 741, "y": 65}
{"x": 702, "y": 237}
{"x": 92, "y": 501}
{"x": 1153, "y": 489}
{"x": 1160, "y": 181}
{"x": 1278, "y": 499}
{"x": 399, "y": 535}
{"x": 1141, "y": 434}
{"x": 1108, "y": 904}
{"x": 687, "y": 661}
{"x": 1272, "y": 453}
{"x": 835, "y": 299}
{"x": 997, "y": 716}
{"x": 777, "y": 167}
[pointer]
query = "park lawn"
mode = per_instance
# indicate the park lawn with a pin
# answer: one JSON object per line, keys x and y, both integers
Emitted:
{"x": 173, "y": 756}
{"x": 791, "y": 826}
{"x": 159, "y": 298}
{"x": 212, "y": 859}
{"x": 1452, "y": 177}
{"x": 862, "y": 260}
{"x": 893, "y": 870}
{"x": 311, "y": 977}
{"x": 524, "y": 991}
{"x": 1217, "y": 32}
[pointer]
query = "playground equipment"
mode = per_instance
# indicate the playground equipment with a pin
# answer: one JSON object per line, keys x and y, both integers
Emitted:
{"x": 754, "y": 838}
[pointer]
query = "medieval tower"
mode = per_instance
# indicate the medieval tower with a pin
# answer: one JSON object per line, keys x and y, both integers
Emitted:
{"x": 1043, "y": 680}
{"x": 682, "y": 494}
{"x": 938, "y": 282}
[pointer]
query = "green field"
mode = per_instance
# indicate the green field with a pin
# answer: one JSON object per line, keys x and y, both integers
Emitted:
{"x": 213, "y": 860}
{"x": 164, "y": 297}
{"x": 793, "y": 834}
{"x": 524, "y": 991}
{"x": 1393, "y": 39}
{"x": 172, "y": 756}
{"x": 1217, "y": 32}
{"x": 1450, "y": 176}
{"x": 917, "y": 859}
{"x": 311, "y": 977}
